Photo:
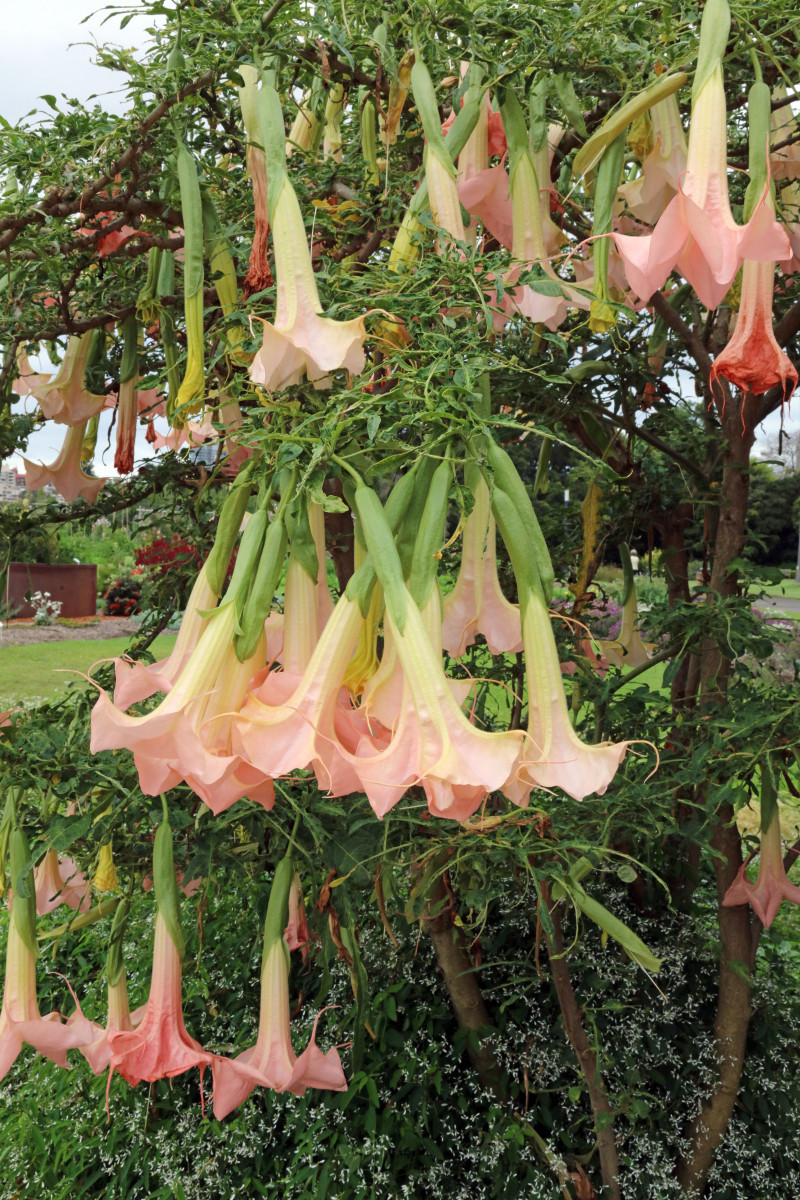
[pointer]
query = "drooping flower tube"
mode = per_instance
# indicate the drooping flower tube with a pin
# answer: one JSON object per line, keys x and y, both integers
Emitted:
{"x": 527, "y": 245}
{"x": 65, "y": 399}
{"x": 127, "y": 406}
{"x": 58, "y": 881}
{"x": 300, "y": 341}
{"x": 772, "y": 885}
{"x": 477, "y": 604}
{"x": 160, "y": 1047}
{"x": 272, "y": 1062}
{"x": 119, "y": 1017}
{"x": 483, "y": 189}
{"x": 27, "y": 380}
{"x": 440, "y": 174}
{"x": 752, "y": 360}
{"x": 20, "y": 1020}
{"x": 659, "y": 180}
{"x": 259, "y": 276}
{"x": 136, "y": 681}
{"x": 66, "y": 473}
{"x": 627, "y": 650}
{"x": 431, "y": 743}
{"x": 190, "y": 395}
{"x": 185, "y": 737}
{"x": 554, "y": 754}
{"x": 697, "y": 234}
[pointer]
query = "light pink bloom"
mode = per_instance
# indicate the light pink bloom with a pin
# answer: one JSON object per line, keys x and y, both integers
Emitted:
{"x": 27, "y": 380}
{"x": 431, "y": 743}
{"x": 697, "y": 234}
{"x": 772, "y": 885}
{"x": 554, "y": 755}
{"x": 485, "y": 196}
{"x": 192, "y": 433}
{"x": 659, "y": 181}
{"x": 785, "y": 162}
{"x": 290, "y": 723}
{"x": 271, "y": 1062}
{"x": 476, "y": 603}
{"x": 301, "y": 341}
{"x": 65, "y": 399}
{"x": 58, "y": 881}
{"x": 66, "y": 474}
{"x": 159, "y": 1047}
{"x": 20, "y": 1021}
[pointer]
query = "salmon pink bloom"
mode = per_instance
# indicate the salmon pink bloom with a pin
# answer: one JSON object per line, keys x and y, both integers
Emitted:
{"x": 772, "y": 885}
{"x": 297, "y": 933}
{"x": 58, "y": 881}
{"x": 659, "y": 182}
{"x": 476, "y": 603}
{"x": 431, "y": 743}
{"x": 66, "y": 474}
{"x": 555, "y": 756}
{"x": 120, "y": 1019}
{"x": 752, "y": 360}
{"x": 271, "y": 1062}
{"x": 159, "y": 1046}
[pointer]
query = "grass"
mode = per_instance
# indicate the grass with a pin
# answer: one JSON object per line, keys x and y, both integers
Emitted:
{"x": 32, "y": 672}
{"x": 787, "y": 588}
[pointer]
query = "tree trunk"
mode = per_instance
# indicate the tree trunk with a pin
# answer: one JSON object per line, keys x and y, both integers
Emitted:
{"x": 733, "y": 998}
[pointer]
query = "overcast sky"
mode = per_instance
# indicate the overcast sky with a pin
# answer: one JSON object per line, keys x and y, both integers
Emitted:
{"x": 43, "y": 49}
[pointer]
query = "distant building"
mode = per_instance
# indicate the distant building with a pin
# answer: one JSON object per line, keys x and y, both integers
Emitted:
{"x": 12, "y": 484}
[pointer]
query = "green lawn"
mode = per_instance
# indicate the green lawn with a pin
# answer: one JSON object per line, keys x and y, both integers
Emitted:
{"x": 787, "y": 588}
{"x": 30, "y": 673}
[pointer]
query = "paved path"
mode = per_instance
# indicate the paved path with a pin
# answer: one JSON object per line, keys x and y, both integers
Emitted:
{"x": 782, "y": 603}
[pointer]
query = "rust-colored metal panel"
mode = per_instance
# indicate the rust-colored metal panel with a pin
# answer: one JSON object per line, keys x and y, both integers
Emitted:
{"x": 74, "y": 584}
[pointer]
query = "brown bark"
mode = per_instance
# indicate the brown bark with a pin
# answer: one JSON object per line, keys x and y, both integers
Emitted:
{"x": 469, "y": 1006}
{"x": 587, "y": 1059}
{"x": 734, "y": 995}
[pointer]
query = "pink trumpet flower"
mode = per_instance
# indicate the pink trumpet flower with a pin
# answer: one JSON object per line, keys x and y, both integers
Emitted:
{"x": 476, "y": 603}
{"x": 65, "y": 399}
{"x": 752, "y": 360}
{"x": 98, "y": 1053}
{"x": 20, "y": 1020}
{"x": 127, "y": 413}
{"x": 697, "y": 234}
{"x": 66, "y": 473}
{"x": 628, "y": 650}
{"x": 27, "y": 380}
{"x": 271, "y": 1062}
{"x": 772, "y": 885}
{"x": 136, "y": 681}
{"x": 432, "y": 744}
{"x": 183, "y": 738}
{"x": 159, "y": 1047}
{"x": 784, "y": 162}
{"x": 662, "y": 168}
{"x": 290, "y": 724}
{"x": 58, "y": 881}
{"x": 301, "y": 341}
{"x": 558, "y": 757}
